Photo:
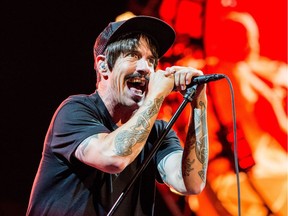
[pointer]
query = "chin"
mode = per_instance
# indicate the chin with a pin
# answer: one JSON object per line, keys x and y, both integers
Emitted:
{"x": 134, "y": 100}
{"x": 135, "y": 103}
{"x": 140, "y": 100}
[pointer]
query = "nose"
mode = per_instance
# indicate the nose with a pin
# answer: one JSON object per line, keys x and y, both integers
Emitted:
{"x": 144, "y": 67}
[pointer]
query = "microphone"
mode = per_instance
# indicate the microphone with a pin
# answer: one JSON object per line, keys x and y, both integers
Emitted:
{"x": 205, "y": 79}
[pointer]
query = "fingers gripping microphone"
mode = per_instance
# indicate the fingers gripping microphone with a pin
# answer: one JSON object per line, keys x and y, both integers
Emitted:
{"x": 202, "y": 79}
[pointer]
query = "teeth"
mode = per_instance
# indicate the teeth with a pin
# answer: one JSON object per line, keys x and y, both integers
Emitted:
{"x": 137, "y": 80}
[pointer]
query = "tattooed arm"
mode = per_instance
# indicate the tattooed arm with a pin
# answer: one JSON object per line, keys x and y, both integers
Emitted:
{"x": 195, "y": 156}
{"x": 114, "y": 151}
{"x": 185, "y": 171}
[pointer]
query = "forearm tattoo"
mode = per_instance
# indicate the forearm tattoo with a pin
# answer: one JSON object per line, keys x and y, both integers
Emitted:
{"x": 125, "y": 140}
{"x": 199, "y": 143}
{"x": 188, "y": 167}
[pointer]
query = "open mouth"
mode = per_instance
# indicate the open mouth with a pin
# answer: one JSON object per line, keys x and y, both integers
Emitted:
{"x": 137, "y": 85}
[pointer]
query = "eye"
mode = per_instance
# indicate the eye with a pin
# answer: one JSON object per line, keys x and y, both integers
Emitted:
{"x": 152, "y": 61}
{"x": 133, "y": 55}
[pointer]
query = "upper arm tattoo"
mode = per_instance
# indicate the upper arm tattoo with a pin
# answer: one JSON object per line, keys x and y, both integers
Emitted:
{"x": 125, "y": 140}
{"x": 80, "y": 151}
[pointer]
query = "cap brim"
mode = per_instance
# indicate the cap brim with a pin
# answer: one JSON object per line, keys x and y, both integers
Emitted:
{"x": 158, "y": 29}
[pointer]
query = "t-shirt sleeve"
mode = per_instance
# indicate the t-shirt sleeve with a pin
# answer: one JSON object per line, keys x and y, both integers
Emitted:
{"x": 73, "y": 122}
{"x": 170, "y": 143}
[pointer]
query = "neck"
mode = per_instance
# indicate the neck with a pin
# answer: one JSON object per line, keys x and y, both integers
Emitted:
{"x": 119, "y": 113}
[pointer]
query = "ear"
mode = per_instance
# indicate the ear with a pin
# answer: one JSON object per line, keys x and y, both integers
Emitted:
{"x": 100, "y": 65}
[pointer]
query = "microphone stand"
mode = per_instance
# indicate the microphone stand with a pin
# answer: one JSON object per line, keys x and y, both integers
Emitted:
{"x": 188, "y": 97}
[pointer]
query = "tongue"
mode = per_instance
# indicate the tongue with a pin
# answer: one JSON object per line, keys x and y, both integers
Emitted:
{"x": 136, "y": 91}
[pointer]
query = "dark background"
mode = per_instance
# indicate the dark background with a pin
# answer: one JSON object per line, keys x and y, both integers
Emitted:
{"x": 46, "y": 55}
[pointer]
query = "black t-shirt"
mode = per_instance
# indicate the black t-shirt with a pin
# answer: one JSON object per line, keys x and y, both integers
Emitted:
{"x": 65, "y": 186}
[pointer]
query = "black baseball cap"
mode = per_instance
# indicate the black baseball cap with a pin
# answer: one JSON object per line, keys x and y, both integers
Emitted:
{"x": 160, "y": 31}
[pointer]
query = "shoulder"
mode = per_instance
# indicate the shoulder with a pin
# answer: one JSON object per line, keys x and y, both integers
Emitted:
{"x": 82, "y": 102}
